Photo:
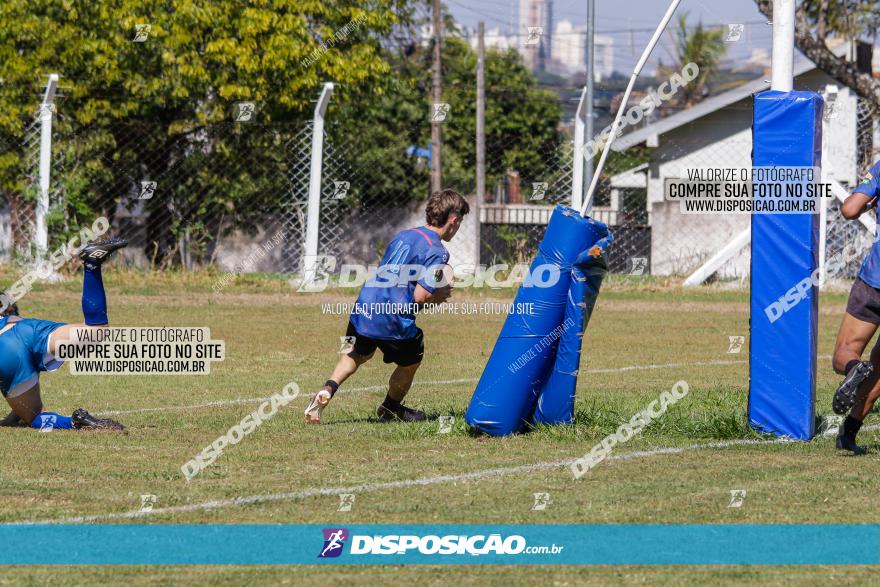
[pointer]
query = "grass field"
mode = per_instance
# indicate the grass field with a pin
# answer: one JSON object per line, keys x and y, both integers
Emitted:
{"x": 644, "y": 336}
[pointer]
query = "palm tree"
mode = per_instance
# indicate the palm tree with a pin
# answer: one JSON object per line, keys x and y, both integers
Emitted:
{"x": 705, "y": 47}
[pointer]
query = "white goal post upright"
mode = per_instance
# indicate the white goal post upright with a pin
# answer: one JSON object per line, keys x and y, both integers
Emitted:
{"x": 587, "y": 206}
{"x": 782, "y": 79}
{"x": 782, "y": 64}
{"x": 310, "y": 259}
{"x": 577, "y": 171}
{"x": 47, "y": 108}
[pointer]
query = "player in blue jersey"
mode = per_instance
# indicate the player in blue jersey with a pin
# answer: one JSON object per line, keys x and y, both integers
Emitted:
{"x": 28, "y": 347}
{"x": 861, "y": 383}
{"x": 413, "y": 271}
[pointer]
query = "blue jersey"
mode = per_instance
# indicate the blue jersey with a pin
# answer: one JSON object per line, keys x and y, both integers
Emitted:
{"x": 385, "y": 307}
{"x": 870, "y": 270}
{"x": 24, "y": 352}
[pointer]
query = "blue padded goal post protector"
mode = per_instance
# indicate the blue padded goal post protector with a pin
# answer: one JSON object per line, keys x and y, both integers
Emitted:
{"x": 524, "y": 353}
{"x": 787, "y": 132}
{"x": 556, "y": 398}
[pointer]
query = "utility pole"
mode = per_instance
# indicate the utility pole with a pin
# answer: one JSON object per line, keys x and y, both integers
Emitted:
{"x": 588, "y": 111}
{"x": 481, "y": 134}
{"x": 437, "y": 98}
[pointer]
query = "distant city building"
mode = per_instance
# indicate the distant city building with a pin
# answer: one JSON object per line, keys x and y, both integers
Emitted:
{"x": 493, "y": 39}
{"x": 563, "y": 52}
{"x": 535, "y": 24}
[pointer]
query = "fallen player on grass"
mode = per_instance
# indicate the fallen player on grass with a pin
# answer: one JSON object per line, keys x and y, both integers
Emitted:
{"x": 29, "y": 346}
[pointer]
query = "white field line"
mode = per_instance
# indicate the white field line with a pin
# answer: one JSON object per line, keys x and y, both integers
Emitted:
{"x": 369, "y": 487}
{"x": 406, "y": 483}
{"x": 231, "y": 402}
{"x": 403, "y": 484}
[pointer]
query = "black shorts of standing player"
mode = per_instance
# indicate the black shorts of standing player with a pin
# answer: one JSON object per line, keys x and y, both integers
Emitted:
{"x": 864, "y": 302}
{"x": 404, "y": 352}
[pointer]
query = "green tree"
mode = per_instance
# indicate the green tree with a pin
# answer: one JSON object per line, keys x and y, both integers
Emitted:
{"x": 705, "y": 47}
{"x": 138, "y": 109}
{"x": 522, "y": 123}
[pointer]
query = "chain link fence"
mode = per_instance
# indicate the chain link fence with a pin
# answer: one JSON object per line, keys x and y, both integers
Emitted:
{"x": 194, "y": 195}
{"x": 21, "y": 155}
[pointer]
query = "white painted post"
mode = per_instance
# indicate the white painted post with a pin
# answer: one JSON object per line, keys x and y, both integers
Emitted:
{"x": 736, "y": 244}
{"x": 782, "y": 63}
{"x": 314, "y": 207}
{"x": 577, "y": 174}
{"x": 47, "y": 108}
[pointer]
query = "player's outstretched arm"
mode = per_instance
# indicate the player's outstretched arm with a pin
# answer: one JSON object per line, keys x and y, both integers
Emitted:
{"x": 856, "y": 204}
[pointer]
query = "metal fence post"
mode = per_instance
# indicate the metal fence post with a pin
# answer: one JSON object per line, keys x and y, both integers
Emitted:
{"x": 314, "y": 206}
{"x": 47, "y": 108}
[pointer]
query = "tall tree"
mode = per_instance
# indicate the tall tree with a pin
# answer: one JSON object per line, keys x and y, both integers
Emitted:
{"x": 705, "y": 47}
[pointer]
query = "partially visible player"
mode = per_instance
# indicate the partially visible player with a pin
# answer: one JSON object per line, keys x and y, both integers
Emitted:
{"x": 861, "y": 383}
{"x": 28, "y": 346}
{"x": 395, "y": 333}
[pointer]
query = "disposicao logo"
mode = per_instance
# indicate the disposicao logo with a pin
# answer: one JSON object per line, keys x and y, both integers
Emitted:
{"x": 334, "y": 540}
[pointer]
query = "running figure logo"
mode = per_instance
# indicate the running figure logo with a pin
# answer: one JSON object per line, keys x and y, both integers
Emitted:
{"x": 334, "y": 539}
{"x": 736, "y": 344}
{"x": 441, "y": 111}
{"x": 141, "y": 32}
{"x": 539, "y": 190}
{"x": 734, "y": 32}
{"x": 535, "y": 33}
{"x": 244, "y": 111}
{"x": 639, "y": 265}
{"x": 148, "y": 190}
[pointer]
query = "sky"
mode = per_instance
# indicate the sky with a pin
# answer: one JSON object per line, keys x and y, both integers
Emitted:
{"x": 631, "y": 23}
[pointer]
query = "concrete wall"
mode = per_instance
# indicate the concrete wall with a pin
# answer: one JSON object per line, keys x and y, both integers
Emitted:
{"x": 363, "y": 236}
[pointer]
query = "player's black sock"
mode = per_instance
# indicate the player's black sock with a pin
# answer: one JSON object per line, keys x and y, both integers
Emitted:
{"x": 850, "y": 365}
{"x": 332, "y": 386}
{"x": 851, "y": 427}
{"x": 391, "y": 404}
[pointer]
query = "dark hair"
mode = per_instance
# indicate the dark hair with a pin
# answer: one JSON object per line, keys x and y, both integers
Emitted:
{"x": 442, "y": 205}
{"x": 8, "y": 307}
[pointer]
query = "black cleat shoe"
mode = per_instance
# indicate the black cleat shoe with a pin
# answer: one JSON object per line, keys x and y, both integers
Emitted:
{"x": 845, "y": 442}
{"x": 97, "y": 252}
{"x": 845, "y": 396}
{"x": 400, "y": 413}
{"x": 83, "y": 419}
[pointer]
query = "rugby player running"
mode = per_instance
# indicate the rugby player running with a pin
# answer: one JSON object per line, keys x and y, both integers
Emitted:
{"x": 395, "y": 332}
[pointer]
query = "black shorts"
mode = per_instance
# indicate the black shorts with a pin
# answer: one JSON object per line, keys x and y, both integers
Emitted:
{"x": 408, "y": 351}
{"x": 864, "y": 302}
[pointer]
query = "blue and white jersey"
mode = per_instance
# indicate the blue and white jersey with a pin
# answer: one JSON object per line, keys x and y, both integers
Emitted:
{"x": 870, "y": 186}
{"x": 24, "y": 352}
{"x": 384, "y": 307}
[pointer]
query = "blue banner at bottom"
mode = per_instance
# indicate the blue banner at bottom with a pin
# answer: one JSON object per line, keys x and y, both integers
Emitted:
{"x": 234, "y": 544}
